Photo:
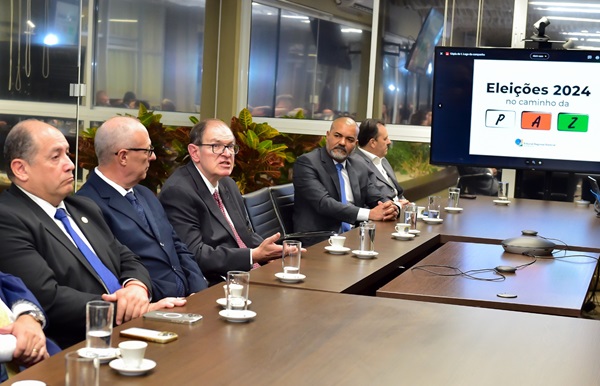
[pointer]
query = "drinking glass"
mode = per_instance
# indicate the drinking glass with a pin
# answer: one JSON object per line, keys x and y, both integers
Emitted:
{"x": 238, "y": 283}
{"x": 433, "y": 206}
{"x": 453, "y": 197}
{"x": 410, "y": 215}
{"x": 99, "y": 324}
{"x": 367, "y": 236}
{"x": 291, "y": 256}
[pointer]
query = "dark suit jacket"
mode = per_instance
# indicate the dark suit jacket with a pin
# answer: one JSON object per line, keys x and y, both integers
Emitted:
{"x": 317, "y": 203}
{"x": 162, "y": 252}
{"x": 381, "y": 183}
{"x": 35, "y": 249}
{"x": 196, "y": 217}
{"x": 480, "y": 185}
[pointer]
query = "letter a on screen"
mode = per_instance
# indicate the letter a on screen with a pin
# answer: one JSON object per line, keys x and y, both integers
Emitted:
{"x": 535, "y": 121}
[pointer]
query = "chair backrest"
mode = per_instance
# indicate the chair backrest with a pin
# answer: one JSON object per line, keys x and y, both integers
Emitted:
{"x": 262, "y": 213}
{"x": 282, "y": 197}
{"x": 479, "y": 184}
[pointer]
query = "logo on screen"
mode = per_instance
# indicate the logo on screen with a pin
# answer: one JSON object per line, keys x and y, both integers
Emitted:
{"x": 519, "y": 142}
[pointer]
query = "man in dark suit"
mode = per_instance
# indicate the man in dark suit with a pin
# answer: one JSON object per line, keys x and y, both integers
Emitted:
{"x": 60, "y": 245}
{"x": 22, "y": 340}
{"x": 133, "y": 212}
{"x": 207, "y": 210}
{"x": 373, "y": 145}
{"x": 320, "y": 203}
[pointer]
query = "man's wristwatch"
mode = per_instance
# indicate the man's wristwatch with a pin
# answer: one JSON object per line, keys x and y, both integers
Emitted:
{"x": 37, "y": 315}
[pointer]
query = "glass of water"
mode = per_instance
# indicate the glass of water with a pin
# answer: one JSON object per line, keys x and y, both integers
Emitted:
{"x": 367, "y": 236}
{"x": 99, "y": 324}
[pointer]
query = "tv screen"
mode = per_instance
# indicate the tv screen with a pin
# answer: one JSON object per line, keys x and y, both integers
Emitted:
{"x": 516, "y": 108}
{"x": 421, "y": 53}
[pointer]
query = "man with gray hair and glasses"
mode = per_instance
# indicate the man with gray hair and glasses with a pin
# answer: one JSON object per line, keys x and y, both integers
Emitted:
{"x": 207, "y": 210}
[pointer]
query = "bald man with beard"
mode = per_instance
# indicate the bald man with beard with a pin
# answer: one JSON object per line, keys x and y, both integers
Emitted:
{"x": 319, "y": 200}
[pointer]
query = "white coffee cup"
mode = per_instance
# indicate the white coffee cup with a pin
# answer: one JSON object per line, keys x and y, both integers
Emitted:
{"x": 402, "y": 227}
{"x": 337, "y": 241}
{"x": 132, "y": 353}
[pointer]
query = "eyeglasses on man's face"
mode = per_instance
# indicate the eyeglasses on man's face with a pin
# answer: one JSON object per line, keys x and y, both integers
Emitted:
{"x": 149, "y": 151}
{"x": 220, "y": 149}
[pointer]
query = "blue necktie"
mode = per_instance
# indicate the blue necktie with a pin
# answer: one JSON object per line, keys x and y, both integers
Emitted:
{"x": 109, "y": 279}
{"x": 139, "y": 209}
{"x": 345, "y": 226}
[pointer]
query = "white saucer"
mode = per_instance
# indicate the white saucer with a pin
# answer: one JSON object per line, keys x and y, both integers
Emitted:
{"x": 453, "y": 209}
{"x": 237, "y": 316}
{"x": 501, "y": 202}
{"x": 105, "y": 355}
{"x": 403, "y": 236}
{"x": 146, "y": 366}
{"x": 223, "y": 302}
{"x": 336, "y": 250}
{"x": 433, "y": 220}
{"x": 290, "y": 277}
{"x": 364, "y": 254}
{"x": 414, "y": 231}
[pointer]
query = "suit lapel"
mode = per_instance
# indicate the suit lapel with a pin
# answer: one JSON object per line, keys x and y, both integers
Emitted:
{"x": 390, "y": 172}
{"x": 235, "y": 212}
{"x": 147, "y": 211}
{"x": 374, "y": 169}
{"x": 89, "y": 231}
{"x": 331, "y": 170}
{"x": 116, "y": 201}
{"x": 354, "y": 183}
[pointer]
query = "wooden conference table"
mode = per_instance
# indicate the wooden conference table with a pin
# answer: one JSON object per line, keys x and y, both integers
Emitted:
{"x": 550, "y": 286}
{"x": 483, "y": 222}
{"x": 480, "y": 222}
{"x": 319, "y": 338}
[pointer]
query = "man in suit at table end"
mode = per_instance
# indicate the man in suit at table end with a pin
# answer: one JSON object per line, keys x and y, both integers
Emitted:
{"x": 373, "y": 145}
{"x": 22, "y": 340}
{"x": 133, "y": 212}
{"x": 207, "y": 210}
{"x": 60, "y": 245}
{"x": 332, "y": 190}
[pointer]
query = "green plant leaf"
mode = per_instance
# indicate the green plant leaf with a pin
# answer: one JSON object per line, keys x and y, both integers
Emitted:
{"x": 245, "y": 118}
{"x": 252, "y": 139}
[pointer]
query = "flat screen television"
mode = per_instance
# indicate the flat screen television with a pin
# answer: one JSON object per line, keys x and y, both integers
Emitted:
{"x": 516, "y": 108}
{"x": 421, "y": 52}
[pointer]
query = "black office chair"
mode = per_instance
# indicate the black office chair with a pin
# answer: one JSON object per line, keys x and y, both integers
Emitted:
{"x": 483, "y": 184}
{"x": 261, "y": 213}
{"x": 282, "y": 197}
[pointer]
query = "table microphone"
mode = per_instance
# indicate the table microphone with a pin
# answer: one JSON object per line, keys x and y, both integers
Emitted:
{"x": 529, "y": 244}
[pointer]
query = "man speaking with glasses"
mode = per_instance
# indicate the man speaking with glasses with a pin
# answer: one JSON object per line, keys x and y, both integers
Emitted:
{"x": 133, "y": 213}
{"x": 207, "y": 210}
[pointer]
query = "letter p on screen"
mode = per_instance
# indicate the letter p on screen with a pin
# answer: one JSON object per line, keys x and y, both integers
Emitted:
{"x": 499, "y": 118}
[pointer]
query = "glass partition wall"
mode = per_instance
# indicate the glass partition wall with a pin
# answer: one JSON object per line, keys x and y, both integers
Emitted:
{"x": 326, "y": 59}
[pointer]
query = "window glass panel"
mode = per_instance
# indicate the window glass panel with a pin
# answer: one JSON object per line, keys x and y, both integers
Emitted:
{"x": 38, "y": 48}
{"x": 411, "y": 29}
{"x": 300, "y": 62}
{"x": 575, "y": 20}
{"x": 150, "y": 52}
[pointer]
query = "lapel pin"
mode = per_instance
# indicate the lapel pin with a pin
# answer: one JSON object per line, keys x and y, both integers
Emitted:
{"x": 84, "y": 219}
